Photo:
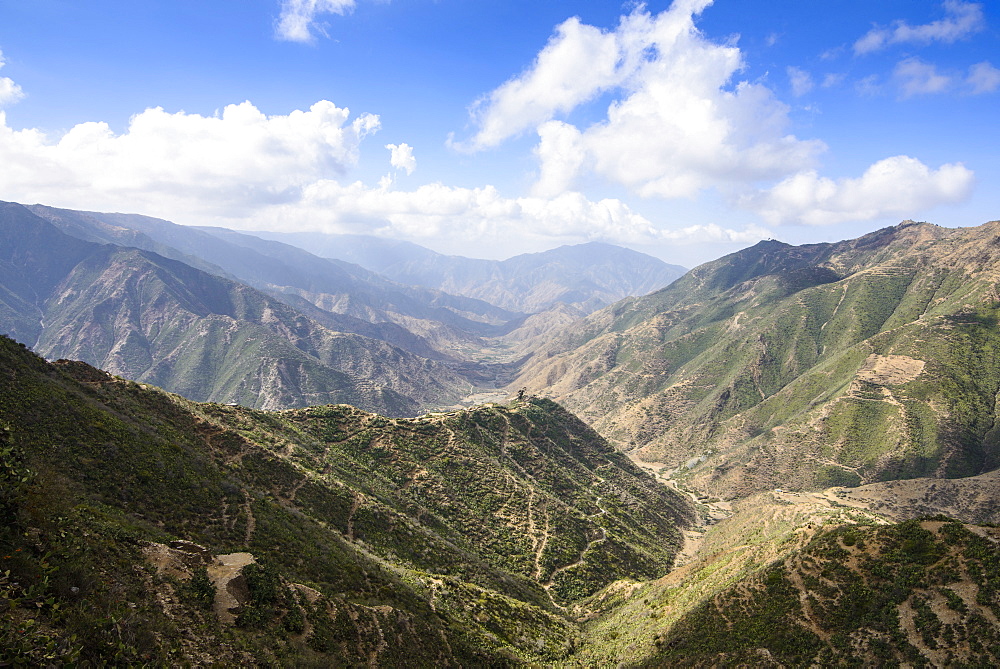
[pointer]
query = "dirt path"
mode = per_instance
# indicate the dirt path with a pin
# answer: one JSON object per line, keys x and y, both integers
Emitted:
{"x": 251, "y": 521}
{"x": 602, "y": 537}
{"x": 358, "y": 499}
{"x": 711, "y": 512}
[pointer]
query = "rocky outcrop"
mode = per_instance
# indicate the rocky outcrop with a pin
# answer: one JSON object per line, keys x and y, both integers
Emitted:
{"x": 182, "y": 558}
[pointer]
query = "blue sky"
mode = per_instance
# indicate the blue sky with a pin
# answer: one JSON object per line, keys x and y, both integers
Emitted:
{"x": 493, "y": 127}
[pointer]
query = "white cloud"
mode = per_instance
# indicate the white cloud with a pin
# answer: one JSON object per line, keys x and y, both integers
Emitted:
{"x": 870, "y": 86}
{"x": 401, "y": 157}
{"x": 9, "y": 91}
{"x": 963, "y": 19}
{"x": 297, "y": 21}
{"x": 832, "y": 79}
{"x": 245, "y": 170}
{"x": 916, "y": 77}
{"x": 800, "y": 80}
{"x": 983, "y": 78}
{"x": 560, "y": 154}
{"x": 900, "y": 186}
{"x": 678, "y": 123}
{"x": 183, "y": 165}
{"x": 578, "y": 63}
{"x": 482, "y": 216}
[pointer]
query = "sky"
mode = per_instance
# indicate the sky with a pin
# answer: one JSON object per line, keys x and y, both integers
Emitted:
{"x": 488, "y": 128}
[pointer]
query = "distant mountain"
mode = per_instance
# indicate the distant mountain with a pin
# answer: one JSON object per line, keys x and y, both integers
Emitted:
{"x": 586, "y": 276}
{"x": 139, "y": 527}
{"x": 342, "y": 296}
{"x": 160, "y": 321}
{"x": 781, "y": 366}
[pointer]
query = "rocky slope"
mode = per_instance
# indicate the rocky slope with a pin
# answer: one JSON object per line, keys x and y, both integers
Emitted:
{"x": 142, "y": 527}
{"x": 779, "y": 366}
{"x": 342, "y": 296}
{"x": 160, "y": 321}
{"x": 810, "y": 579}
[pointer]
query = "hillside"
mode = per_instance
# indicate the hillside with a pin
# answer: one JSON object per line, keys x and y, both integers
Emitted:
{"x": 160, "y": 321}
{"x": 583, "y": 276}
{"x": 798, "y": 582}
{"x": 450, "y": 539}
{"x": 779, "y": 366}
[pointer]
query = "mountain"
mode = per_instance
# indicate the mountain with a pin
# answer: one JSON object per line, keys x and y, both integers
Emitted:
{"x": 140, "y": 526}
{"x": 779, "y": 366}
{"x": 160, "y": 321}
{"x": 343, "y": 296}
{"x": 585, "y": 276}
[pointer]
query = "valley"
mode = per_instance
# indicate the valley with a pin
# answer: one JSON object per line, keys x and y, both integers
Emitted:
{"x": 220, "y": 447}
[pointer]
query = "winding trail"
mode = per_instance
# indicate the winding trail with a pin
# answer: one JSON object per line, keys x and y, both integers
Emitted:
{"x": 358, "y": 499}
{"x": 602, "y": 536}
{"x": 251, "y": 521}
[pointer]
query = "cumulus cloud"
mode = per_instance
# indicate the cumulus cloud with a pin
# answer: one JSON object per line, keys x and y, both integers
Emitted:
{"x": 916, "y": 77}
{"x": 560, "y": 154}
{"x": 401, "y": 157}
{"x": 678, "y": 123}
{"x": 484, "y": 215}
{"x": 297, "y": 21}
{"x": 900, "y": 186}
{"x": 246, "y": 170}
{"x": 9, "y": 91}
{"x": 181, "y": 164}
{"x": 800, "y": 80}
{"x": 578, "y": 63}
{"x": 962, "y": 19}
{"x": 983, "y": 78}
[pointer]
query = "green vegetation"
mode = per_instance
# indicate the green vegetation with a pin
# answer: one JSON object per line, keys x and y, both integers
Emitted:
{"x": 867, "y": 595}
{"x": 866, "y": 360}
{"x": 476, "y": 529}
{"x": 138, "y": 527}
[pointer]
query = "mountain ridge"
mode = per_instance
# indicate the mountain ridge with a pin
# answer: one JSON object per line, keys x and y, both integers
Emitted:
{"x": 779, "y": 349}
{"x": 161, "y": 321}
{"x": 360, "y": 526}
{"x": 584, "y": 276}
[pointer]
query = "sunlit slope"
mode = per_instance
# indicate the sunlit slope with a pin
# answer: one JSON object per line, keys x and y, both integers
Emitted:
{"x": 807, "y": 366}
{"x": 804, "y": 581}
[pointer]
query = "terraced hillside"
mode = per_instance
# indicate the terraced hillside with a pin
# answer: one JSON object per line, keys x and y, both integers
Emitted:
{"x": 779, "y": 366}
{"x": 451, "y": 539}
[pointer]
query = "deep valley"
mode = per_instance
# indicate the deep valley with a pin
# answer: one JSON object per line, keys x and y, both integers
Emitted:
{"x": 220, "y": 448}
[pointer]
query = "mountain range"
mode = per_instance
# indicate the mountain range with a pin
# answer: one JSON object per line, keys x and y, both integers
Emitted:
{"x": 455, "y": 538}
{"x": 584, "y": 276}
{"x": 829, "y": 364}
{"x": 421, "y": 347}
{"x": 810, "y": 432}
{"x": 161, "y": 321}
